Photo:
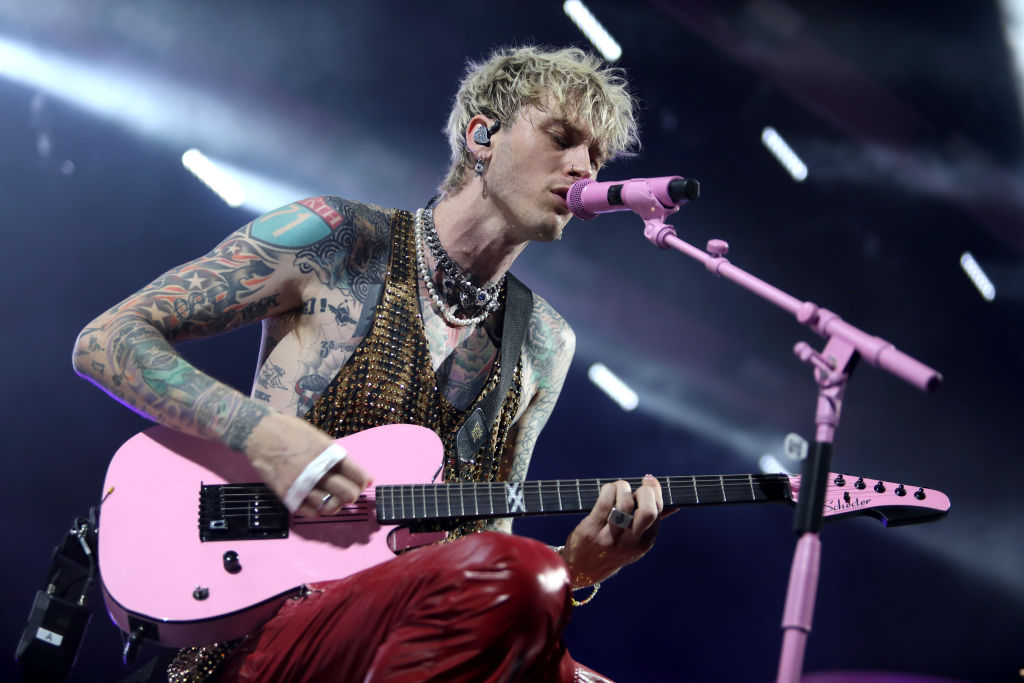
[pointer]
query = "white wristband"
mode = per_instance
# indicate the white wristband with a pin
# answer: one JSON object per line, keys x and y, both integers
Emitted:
{"x": 314, "y": 472}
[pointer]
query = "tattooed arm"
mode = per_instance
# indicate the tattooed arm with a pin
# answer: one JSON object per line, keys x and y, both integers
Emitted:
{"x": 547, "y": 353}
{"x": 595, "y": 549}
{"x": 253, "y": 274}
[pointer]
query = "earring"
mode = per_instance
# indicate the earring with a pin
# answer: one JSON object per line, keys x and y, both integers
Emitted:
{"x": 478, "y": 169}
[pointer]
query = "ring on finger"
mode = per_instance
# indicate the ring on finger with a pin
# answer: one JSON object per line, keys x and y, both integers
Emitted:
{"x": 621, "y": 519}
{"x": 311, "y": 475}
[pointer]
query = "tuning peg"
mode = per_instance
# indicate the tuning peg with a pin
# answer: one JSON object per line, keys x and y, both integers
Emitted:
{"x": 919, "y": 494}
{"x": 900, "y": 491}
{"x": 859, "y": 484}
{"x": 879, "y": 487}
{"x": 839, "y": 481}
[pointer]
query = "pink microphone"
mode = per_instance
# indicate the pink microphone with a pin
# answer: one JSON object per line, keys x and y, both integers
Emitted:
{"x": 587, "y": 198}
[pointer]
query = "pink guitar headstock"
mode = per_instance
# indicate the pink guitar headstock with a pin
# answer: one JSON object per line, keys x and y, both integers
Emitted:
{"x": 894, "y": 503}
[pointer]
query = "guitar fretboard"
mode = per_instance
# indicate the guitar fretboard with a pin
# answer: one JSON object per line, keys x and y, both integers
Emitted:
{"x": 409, "y": 503}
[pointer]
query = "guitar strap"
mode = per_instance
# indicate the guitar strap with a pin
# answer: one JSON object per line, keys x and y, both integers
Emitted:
{"x": 477, "y": 426}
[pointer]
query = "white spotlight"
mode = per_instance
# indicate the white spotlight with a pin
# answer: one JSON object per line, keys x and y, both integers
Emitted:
{"x": 214, "y": 177}
{"x": 609, "y": 383}
{"x": 769, "y": 464}
{"x": 784, "y": 154}
{"x": 978, "y": 277}
{"x": 592, "y": 29}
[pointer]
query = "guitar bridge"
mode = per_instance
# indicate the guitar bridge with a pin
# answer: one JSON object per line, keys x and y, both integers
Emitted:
{"x": 232, "y": 512}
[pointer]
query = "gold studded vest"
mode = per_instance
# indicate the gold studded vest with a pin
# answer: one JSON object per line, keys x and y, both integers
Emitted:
{"x": 390, "y": 379}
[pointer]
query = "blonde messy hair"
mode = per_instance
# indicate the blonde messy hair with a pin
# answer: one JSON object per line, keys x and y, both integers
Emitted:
{"x": 571, "y": 81}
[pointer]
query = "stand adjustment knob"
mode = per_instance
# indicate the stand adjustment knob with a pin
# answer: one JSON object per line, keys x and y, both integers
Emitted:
{"x": 879, "y": 487}
{"x": 859, "y": 484}
{"x": 718, "y": 248}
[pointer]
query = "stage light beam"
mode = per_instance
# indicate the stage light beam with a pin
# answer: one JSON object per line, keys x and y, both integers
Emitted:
{"x": 596, "y": 33}
{"x": 1012, "y": 12}
{"x": 978, "y": 277}
{"x": 609, "y": 383}
{"x": 784, "y": 154}
{"x": 214, "y": 177}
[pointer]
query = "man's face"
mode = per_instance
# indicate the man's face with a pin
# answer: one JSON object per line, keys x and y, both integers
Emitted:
{"x": 533, "y": 163}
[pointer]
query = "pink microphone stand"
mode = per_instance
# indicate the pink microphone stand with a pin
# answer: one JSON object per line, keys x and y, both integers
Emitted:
{"x": 651, "y": 200}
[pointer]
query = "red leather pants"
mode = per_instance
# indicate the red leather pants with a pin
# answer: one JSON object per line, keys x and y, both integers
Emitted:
{"x": 488, "y": 607}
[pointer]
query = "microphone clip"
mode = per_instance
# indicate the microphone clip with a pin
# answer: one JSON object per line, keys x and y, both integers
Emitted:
{"x": 640, "y": 197}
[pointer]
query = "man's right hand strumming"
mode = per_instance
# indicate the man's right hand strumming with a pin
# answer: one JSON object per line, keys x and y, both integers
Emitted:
{"x": 284, "y": 447}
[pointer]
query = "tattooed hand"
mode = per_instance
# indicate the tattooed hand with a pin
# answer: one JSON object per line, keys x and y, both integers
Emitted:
{"x": 282, "y": 446}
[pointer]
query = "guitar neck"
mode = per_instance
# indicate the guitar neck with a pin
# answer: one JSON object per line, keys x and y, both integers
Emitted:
{"x": 419, "y": 503}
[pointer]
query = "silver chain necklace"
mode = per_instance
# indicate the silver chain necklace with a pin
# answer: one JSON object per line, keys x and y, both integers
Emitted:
{"x": 455, "y": 284}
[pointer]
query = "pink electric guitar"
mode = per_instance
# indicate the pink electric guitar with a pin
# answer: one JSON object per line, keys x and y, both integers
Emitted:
{"x": 192, "y": 549}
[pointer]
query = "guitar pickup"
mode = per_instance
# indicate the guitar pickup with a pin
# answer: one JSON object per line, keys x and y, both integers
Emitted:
{"x": 233, "y": 512}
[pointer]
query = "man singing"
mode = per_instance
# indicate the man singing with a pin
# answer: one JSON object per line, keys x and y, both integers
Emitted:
{"x": 377, "y": 316}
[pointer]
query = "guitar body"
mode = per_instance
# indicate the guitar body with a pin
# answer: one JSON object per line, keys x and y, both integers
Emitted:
{"x": 157, "y": 573}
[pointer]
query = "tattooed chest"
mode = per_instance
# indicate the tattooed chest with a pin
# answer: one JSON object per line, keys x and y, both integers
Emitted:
{"x": 304, "y": 350}
{"x": 462, "y": 357}
{"x": 307, "y": 348}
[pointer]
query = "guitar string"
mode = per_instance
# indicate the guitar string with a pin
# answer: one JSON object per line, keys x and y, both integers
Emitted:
{"x": 492, "y": 492}
{"x": 682, "y": 481}
{"x": 431, "y": 495}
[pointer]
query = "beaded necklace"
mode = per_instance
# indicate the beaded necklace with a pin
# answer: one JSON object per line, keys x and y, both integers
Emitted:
{"x": 454, "y": 282}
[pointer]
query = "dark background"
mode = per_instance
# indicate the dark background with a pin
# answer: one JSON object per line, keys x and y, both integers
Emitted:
{"x": 908, "y": 119}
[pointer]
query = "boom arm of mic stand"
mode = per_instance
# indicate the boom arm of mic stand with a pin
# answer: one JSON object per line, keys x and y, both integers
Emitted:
{"x": 874, "y": 350}
{"x": 845, "y": 344}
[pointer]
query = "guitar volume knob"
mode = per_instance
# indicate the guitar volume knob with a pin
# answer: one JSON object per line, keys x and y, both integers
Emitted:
{"x": 231, "y": 563}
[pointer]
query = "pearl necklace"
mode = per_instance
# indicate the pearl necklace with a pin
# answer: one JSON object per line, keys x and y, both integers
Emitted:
{"x": 455, "y": 284}
{"x": 490, "y": 302}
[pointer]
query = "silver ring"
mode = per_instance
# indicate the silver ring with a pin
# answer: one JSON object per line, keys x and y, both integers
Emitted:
{"x": 621, "y": 519}
{"x": 324, "y": 501}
